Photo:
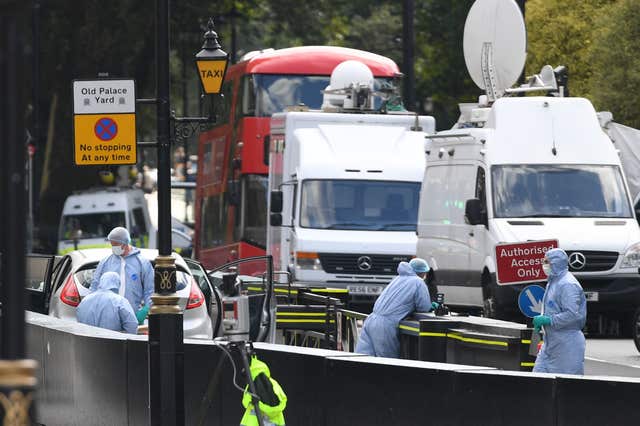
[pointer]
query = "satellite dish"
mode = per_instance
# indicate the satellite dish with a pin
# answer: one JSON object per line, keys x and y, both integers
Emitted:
{"x": 495, "y": 45}
{"x": 349, "y": 73}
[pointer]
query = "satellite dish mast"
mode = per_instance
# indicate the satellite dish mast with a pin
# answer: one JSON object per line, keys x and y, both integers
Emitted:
{"x": 495, "y": 45}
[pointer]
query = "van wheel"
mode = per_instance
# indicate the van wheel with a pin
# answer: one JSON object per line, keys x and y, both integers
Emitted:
{"x": 489, "y": 302}
{"x": 636, "y": 329}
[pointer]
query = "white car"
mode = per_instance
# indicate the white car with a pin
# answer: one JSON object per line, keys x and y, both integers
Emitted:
{"x": 67, "y": 281}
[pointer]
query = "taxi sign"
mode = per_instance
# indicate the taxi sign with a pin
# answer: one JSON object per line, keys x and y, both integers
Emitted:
{"x": 211, "y": 74}
{"x": 518, "y": 263}
{"x": 104, "y": 122}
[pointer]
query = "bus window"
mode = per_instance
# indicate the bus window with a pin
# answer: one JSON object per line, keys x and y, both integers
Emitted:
{"x": 214, "y": 221}
{"x": 248, "y": 96}
{"x": 274, "y": 93}
{"x": 222, "y": 105}
{"x": 241, "y": 97}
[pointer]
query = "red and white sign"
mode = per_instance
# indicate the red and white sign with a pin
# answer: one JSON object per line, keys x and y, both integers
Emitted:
{"x": 519, "y": 263}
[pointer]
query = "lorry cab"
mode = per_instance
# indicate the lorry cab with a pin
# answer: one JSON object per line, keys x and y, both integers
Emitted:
{"x": 349, "y": 187}
{"x": 88, "y": 216}
{"x": 538, "y": 168}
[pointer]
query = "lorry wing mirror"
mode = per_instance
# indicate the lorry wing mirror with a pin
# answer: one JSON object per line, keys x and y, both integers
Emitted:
{"x": 473, "y": 212}
{"x": 275, "y": 219}
{"x": 266, "y": 147}
{"x": 276, "y": 202}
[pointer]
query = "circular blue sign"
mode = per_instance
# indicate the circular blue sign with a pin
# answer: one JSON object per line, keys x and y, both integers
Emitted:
{"x": 530, "y": 300}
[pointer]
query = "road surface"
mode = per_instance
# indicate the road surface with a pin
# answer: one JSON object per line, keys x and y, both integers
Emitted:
{"x": 612, "y": 357}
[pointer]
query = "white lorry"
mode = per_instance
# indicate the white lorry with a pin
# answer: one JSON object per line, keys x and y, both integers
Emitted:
{"x": 516, "y": 169}
{"x": 344, "y": 195}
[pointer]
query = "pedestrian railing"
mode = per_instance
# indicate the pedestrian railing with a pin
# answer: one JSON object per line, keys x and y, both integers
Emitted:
{"x": 348, "y": 327}
{"x": 311, "y": 322}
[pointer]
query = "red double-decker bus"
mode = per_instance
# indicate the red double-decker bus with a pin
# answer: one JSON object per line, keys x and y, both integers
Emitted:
{"x": 231, "y": 194}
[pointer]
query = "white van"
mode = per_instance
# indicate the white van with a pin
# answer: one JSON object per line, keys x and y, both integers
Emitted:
{"x": 528, "y": 168}
{"x": 88, "y": 216}
{"x": 515, "y": 169}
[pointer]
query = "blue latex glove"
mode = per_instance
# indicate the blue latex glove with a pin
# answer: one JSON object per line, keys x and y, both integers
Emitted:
{"x": 434, "y": 305}
{"x": 142, "y": 314}
{"x": 540, "y": 321}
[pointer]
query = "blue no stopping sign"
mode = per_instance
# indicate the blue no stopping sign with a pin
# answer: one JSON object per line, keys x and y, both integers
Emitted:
{"x": 106, "y": 129}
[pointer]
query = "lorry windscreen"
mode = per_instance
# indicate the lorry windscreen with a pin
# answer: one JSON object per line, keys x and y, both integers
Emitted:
{"x": 274, "y": 92}
{"x": 93, "y": 225}
{"x": 559, "y": 191}
{"x": 361, "y": 205}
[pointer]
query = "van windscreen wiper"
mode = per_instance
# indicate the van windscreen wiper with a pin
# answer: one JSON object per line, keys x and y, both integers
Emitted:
{"x": 539, "y": 215}
{"x": 341, "y": 225}
{"x": 394, "y": 225}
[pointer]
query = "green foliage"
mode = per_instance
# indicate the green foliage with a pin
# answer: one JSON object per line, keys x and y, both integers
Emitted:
{"x": 562, "y": 32}
{"x": 615, "y": 60}
{"x": 440, "y": 69}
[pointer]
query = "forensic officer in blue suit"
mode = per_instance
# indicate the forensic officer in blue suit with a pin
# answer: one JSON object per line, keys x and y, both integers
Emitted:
{"x": 135, "y": 272}
{"x": 405, "y": 294}
{"x": 563, "y": 317}
{"x": 105, "y": 308}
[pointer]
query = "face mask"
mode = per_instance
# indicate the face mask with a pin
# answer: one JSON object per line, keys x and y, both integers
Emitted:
{"x": 546, "y": 268}
{"x": 117, "y": 250}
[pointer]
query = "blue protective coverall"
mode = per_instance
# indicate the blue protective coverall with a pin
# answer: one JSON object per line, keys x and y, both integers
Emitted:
{"x": 138, "y": 274}
{"x": 407, "y": 293}
{"x": 564, "y": 302}
{"x": 105, "y": 308}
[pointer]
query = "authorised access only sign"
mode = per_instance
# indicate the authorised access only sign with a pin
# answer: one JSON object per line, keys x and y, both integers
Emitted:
{"x": 104, "y": 122}
{"x": 518, "y": 263}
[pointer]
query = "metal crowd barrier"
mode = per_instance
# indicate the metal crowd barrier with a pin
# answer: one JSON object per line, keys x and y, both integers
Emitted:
{"x": 467, "y": 340}
{"x": 313, "y": 317}
{"x": 308, "y": 318}
{"x": 348, "y": 325}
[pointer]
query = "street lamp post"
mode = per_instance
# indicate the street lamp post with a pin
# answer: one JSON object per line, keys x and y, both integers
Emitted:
{"x": 166, "y": 348}
{"x": 17, "y": 375}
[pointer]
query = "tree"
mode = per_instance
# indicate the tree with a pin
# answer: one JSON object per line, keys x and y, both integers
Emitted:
{"x": 615, "y": 58}
{"x": 562, "y": 32}
{"x": 441, "y": 72}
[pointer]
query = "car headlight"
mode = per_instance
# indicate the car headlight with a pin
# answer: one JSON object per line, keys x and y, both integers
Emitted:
{"x": 307, "y": 260}
{"x": 631, "y": 257}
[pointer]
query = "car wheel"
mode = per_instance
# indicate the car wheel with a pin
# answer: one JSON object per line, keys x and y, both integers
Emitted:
{"x": 636, "y": 329}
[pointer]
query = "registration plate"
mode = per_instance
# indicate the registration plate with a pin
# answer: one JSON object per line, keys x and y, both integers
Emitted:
{"x": 371, "y": 290}
{"x": 591, "y": 296}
